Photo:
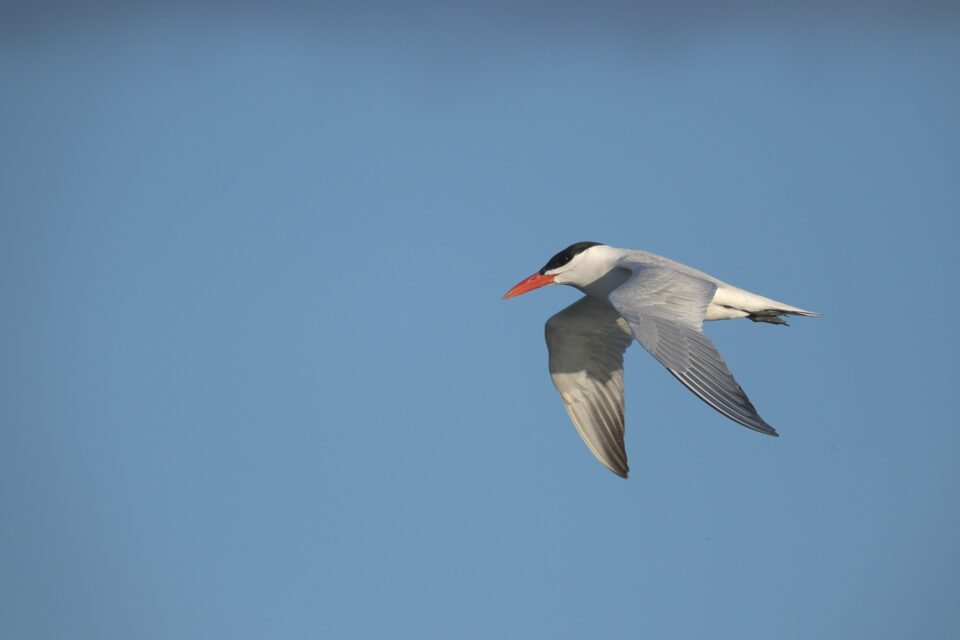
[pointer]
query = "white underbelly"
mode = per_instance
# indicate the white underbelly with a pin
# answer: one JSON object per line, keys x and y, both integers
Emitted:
{"x": 731, "y": 302}
{"x": 719, "y": 312}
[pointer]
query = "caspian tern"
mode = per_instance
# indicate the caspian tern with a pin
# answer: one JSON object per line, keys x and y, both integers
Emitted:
{"x": 662, "y": 304}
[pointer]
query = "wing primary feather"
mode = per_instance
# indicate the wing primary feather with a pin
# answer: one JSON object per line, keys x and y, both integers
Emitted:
{"x": 665, "y": 309}
{"x": 586, "y": 342}
{"x": 750, "y": 421}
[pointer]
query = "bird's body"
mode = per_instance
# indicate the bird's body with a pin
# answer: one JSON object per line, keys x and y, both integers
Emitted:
{"x": 728, "y": 301}
{"x": 661, "y": 303}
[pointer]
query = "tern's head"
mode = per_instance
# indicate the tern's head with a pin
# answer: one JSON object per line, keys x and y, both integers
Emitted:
{"x": 575, "y": 266}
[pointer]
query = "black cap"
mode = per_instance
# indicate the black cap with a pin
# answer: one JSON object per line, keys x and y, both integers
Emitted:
{"x": 566, "y": 255}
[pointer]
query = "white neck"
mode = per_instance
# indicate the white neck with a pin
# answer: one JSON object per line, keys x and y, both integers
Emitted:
{"x": 595, "y": 271}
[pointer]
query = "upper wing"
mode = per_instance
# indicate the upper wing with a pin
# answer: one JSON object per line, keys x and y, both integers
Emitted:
{"x": 665, "y": 309}
{"x": 586, "y": 343}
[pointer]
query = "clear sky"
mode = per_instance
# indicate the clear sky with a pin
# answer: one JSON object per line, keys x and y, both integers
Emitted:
{"x": 257, "y": 378}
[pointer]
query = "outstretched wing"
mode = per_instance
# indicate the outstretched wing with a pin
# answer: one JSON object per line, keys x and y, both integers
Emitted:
{"x": 665, "y": 309}
{"x": 586, "y": 342}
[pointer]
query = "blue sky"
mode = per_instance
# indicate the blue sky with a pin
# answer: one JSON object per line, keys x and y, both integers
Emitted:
{"x": 258, "y": 381}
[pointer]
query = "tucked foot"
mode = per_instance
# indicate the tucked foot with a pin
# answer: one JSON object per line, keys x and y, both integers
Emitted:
{"x": 771, "y": 316}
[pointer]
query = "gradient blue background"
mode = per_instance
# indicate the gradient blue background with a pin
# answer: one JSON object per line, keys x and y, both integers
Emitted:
{"x": 257, "y": 380}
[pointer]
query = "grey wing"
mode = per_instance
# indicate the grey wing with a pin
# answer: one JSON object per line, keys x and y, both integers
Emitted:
{"x": 586, "y": 342}
{"x": 665, "y": 309}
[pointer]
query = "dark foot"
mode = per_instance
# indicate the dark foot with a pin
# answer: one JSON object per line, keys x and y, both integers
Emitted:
{"x": 771, "y": 316}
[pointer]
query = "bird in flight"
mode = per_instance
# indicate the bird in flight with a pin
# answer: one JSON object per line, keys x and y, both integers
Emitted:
{"x": 636, "y": 295}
